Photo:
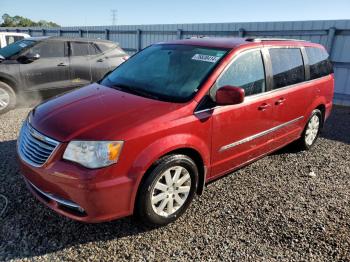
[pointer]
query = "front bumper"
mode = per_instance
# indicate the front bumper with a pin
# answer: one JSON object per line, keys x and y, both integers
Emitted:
{"x": 78, "y": 193}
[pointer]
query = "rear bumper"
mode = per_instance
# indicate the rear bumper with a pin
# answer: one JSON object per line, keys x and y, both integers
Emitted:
{"x": 60, "y": 187}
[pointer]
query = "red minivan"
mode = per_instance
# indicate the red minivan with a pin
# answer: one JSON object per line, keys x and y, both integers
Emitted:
{"x": 146, "y": 138}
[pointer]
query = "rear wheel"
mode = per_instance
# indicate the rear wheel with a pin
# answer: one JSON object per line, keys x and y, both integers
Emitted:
{"x": 7, "y": 98}
{"x": 311, "y": 131}
{"x": 167, "y": 191}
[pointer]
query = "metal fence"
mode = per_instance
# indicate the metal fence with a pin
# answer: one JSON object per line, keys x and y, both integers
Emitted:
{"x": 333, "y": 34}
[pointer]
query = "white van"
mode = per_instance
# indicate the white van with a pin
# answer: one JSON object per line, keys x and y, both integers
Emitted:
{"x": 7, "y": 38}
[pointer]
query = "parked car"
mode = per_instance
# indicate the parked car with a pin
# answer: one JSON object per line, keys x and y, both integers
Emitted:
{"x": 41, "y": 64}
{"x": 151, "y": 134}
{"x": 7, "y": 38}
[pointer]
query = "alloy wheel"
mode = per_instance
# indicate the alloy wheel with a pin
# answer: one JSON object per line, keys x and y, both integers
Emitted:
{"x": 4, "y": 99}
{"x": 170, "y": 191}
{"x": 312, "y": 130}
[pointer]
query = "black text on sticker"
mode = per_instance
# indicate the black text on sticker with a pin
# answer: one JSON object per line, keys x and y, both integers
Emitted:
{"x": 206, "y": 58}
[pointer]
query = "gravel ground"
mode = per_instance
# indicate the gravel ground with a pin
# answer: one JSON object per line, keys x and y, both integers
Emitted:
{"x": 274, "y": 209}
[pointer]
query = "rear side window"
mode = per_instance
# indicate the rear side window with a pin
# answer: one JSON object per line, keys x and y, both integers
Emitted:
{"x": 11, "y": 39}
{"x": 247, "y": 72}
{"x": 83, "y": 49}
{"x": 113, "y": 48}
{"x": 287, "y": 66}
{"x": 106, "y": 46}
{"x": 320, "y": 64}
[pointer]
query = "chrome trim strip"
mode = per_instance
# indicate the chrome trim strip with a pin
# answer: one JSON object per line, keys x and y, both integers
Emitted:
{"x": 250, "y": 138}
{"x": 205, "y": 110}
{"x": 57, "y": 199}
{"x": 40, "y": 136}
{"x": 22, "y": 139}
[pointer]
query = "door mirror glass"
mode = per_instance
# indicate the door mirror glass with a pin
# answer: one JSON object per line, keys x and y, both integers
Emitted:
{"x": 229, "y": 95}
{"x": 33, "y": 57}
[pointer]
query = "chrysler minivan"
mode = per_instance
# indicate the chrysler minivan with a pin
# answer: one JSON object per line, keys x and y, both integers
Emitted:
{"x": 147, "y": 138}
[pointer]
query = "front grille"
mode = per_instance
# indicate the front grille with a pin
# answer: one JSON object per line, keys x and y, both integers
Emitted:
{"x": 34, "y": 147}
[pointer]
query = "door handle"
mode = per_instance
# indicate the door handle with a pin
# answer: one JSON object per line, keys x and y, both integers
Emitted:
{"x": 100, "y": 60}
{"x": 280, "y": 101}
{"x": 62, "y": 64}
{"x": 264, "y": 106}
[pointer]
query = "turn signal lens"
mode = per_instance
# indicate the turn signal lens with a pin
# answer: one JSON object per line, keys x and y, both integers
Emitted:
{"x": 114, "y": 150}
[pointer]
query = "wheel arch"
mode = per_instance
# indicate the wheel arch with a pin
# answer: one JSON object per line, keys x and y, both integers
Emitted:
{"x": 196, "y": 153}
{"x": 197, "y": 158}
{"x": 320, "y": 104}
{"x": 11, "y": 82}
{"x": 322, "y": 108}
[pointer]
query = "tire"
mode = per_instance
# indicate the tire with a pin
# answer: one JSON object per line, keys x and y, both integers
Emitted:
{"x": 173, "y": 179}
{"x": 7, "y": 98}
{"x": 311, "y": 131}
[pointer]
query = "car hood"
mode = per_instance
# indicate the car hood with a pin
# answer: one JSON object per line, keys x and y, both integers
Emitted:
{"x": 96, "y": 112}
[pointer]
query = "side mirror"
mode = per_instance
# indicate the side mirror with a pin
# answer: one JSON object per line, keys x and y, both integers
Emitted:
{"x": 2, "y": 58}
{"x": 229, "y": 95}
{"x": 33, "y": 57}
{"x": 28, "y": 58}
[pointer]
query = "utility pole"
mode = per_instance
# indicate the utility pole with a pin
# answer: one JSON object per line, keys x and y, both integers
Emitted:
{"x": 114, "y": 16}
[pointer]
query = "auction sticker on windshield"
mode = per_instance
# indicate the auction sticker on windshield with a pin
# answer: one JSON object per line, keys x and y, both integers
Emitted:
{"x": 206, "y": 58}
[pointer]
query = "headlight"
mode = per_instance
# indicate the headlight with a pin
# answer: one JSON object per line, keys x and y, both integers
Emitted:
{"x": 93, "y": 154}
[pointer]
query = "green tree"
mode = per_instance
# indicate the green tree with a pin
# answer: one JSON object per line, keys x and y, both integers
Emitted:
{"x": 20, "y": 21}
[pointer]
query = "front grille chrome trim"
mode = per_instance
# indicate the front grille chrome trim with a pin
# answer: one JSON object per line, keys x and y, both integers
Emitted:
{"x": 33, "y": 147}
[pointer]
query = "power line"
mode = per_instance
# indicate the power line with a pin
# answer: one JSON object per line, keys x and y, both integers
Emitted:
{"x": 114, "y": 16}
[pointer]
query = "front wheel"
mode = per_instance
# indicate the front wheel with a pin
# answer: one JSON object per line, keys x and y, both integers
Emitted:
{"x": 167, "y": 191}
{"x": 311, "y": 131}
{"x": 7, "y": 98}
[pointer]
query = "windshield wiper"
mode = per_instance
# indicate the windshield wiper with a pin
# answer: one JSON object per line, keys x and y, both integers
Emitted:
{"x": 135, "y": 91}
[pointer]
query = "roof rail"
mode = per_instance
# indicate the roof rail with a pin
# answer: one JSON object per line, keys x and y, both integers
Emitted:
{"x": 252, "y": 39}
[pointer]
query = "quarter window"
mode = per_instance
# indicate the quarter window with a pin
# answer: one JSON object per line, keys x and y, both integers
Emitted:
{"x": 247, "y": 72}
{"x": 287, "y": 66}
{"x": 106, "y": 46}
{"x": 320, "y": 64}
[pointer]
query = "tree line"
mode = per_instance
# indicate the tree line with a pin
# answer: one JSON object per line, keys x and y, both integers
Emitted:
{"x": 20, "y": 21}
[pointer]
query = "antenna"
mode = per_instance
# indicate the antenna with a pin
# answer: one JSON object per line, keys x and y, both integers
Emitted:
{"x": 114, "y": 16}
{"x": 89, "y": 51}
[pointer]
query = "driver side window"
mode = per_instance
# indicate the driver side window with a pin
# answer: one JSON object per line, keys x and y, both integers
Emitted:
{"x": 49, "y": 49}
{"x": 247, "y": 72}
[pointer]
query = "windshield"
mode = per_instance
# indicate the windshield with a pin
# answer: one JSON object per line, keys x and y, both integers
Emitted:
{"x": 15, "y": 48}
{"x": 166, "y": 72}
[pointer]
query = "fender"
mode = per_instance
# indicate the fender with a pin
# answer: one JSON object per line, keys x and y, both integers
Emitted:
{"x": 10, "y": 80}
{"x": 321, "y": 100}
{"x": 158, "y": 149}
{"x": 323, "y": 96}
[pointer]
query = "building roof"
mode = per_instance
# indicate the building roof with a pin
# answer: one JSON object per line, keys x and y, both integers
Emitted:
{"x": 59, "y": 38}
